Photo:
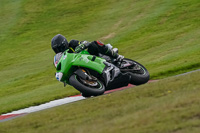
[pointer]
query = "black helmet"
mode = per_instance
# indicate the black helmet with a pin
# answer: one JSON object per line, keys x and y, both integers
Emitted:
{"x": 59, "y": 43}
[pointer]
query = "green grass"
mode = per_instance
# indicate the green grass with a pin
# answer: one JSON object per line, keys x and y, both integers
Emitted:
{"x": 162, "y": 35}
{"x": 169, "y": 105}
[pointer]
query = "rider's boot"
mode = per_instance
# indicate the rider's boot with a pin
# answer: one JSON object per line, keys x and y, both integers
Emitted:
{"x": 114, "y": 54}
{"x": 115, "y": 50}
{"x": 107, "y": 50}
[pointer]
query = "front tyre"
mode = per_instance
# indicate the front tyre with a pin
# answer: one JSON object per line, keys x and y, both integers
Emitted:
{"x": 88, "y": 88}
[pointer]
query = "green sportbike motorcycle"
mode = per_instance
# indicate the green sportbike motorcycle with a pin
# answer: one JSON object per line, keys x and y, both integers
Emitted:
{"x": 92, "y": 75}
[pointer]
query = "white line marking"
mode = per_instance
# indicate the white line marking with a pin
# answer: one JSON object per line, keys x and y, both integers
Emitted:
{"x": 47, "y": 105}
{"x": 60, "y": 102}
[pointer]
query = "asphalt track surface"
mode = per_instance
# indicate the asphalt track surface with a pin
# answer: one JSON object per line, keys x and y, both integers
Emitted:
{"x": 22, "y": 112}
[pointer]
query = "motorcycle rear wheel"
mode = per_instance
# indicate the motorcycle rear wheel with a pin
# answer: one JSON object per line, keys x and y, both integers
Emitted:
{"x": 139, "y": 74}
{"x": 87, "y": 88}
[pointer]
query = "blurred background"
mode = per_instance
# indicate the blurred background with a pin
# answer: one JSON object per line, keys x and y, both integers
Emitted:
{"x": 163, "y": 35}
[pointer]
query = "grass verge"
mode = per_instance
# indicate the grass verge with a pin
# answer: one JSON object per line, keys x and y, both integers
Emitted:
{"x": 162, "y": 35}
{"x": 169, "y": 105}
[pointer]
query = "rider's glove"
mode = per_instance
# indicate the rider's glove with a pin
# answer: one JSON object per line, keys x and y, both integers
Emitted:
{"x": 82, "y": 46}
{"x": 79, "y": 48}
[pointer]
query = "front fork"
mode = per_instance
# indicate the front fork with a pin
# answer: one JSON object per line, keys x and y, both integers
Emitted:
{"x": 83, "y": 74}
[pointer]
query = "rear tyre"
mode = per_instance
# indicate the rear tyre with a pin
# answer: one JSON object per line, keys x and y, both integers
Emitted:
{"x": 87, "y": 88}
{"x": 139, "y": 74}
{"x": 86, "y": 95}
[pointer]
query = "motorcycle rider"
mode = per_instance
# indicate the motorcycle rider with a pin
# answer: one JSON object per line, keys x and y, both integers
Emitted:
{"x": 59, "y": 44}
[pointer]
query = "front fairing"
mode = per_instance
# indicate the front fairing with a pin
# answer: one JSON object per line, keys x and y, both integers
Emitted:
{"x": 70, "y": 61}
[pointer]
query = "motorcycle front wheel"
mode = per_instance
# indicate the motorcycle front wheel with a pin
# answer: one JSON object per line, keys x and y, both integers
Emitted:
{"x": 87, "y": 88}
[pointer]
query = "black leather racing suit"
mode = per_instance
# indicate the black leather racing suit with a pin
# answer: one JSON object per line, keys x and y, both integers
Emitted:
{"x": 94, "y": 48}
